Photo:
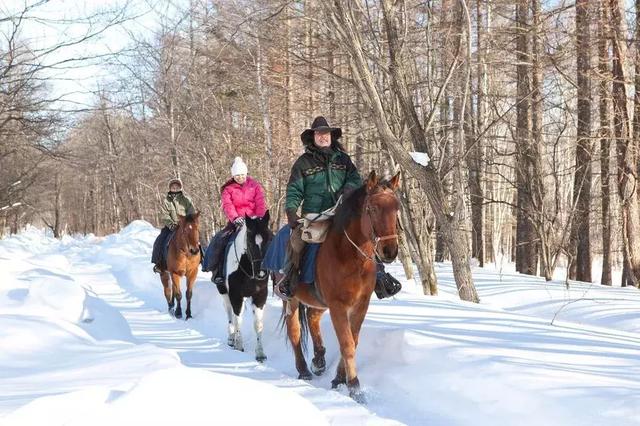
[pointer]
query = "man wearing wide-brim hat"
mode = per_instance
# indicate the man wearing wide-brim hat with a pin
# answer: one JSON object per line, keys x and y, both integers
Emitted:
{"x": 321, "y": 174}
{"x": 318, "y": 178}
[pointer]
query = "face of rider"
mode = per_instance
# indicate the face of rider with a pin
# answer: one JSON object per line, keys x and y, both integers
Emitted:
{"x": 240, "y": 179}
{"x": 322, "y": 139}
{"x": 175, "y": 187}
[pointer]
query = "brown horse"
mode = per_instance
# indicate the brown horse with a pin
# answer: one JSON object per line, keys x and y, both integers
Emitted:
{"x": 363, "y": 231}
{"x": 183, "y": 259}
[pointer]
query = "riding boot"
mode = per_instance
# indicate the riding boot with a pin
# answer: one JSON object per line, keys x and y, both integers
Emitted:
{"x": 286, "y": 288}
{"x": 157, "y": 256}
{"x": 216, "y": 264}
{"x": 216, "y": 276}
{"x": 386, "y": 284}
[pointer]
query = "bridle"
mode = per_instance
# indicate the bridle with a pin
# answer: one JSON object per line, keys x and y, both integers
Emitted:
{"x": 252, "y": 261}
{"x": 374, "y": 237}
{"x": 180, "y": 233}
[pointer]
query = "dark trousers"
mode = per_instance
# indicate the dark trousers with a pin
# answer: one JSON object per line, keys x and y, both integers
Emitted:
{"x": 219, "y": 243}
{"x": 157, "y": 256}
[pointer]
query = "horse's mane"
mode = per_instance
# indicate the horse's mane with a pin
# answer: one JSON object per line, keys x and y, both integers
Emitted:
{"x": 348, "y": 209}
{"x": 260, "y": 227}
{"x": 190, "y": 218}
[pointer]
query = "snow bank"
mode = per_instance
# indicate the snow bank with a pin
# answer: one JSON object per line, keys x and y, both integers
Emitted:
{"x": 173, "y": 396}
{"x": 102, "y": 349}
{"x": 582, "y": 303}
{"x": 30, "y": 240}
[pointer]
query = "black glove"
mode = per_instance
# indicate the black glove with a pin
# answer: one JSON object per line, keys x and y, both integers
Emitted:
{"x": 172, "y": 227}
{"x": 239, "y": 221}
{"x": 344, "y": 192}
{"x": 292, "y": 218}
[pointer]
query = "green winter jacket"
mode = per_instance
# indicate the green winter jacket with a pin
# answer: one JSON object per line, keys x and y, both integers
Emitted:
{"x": 174, "y": 205}
{"x": 318, "y": 178}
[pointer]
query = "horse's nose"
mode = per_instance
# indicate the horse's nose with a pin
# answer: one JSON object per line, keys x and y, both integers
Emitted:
{"x": 390, "y": 252}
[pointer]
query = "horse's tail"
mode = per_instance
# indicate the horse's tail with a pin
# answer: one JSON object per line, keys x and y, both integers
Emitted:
{"x": 304, "y": 325}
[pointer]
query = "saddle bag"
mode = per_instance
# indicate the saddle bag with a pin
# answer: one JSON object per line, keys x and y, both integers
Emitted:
{"x": 315, "y": 226}
{"x": 314, "y": 231}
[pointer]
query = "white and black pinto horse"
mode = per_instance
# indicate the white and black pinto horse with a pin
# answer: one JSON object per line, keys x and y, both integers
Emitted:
{"x": 245, "y": 278}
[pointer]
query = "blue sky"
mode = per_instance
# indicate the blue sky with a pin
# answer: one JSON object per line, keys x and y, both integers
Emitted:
{"x": 63, "y": 21}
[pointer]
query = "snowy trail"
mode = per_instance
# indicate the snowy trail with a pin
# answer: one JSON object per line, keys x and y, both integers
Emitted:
{"x": 196, "y": 350}
{"x": 85, "y": 324}
{"x": 151, "y": 324}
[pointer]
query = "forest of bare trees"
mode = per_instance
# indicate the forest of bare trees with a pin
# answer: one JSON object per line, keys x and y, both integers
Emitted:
{"x": 529, "y": 112}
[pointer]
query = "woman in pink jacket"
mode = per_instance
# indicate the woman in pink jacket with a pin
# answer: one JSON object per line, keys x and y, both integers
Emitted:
{"x": 242, "y": 196}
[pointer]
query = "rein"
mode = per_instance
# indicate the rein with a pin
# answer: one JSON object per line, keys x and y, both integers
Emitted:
{"x": 375, "y": 239}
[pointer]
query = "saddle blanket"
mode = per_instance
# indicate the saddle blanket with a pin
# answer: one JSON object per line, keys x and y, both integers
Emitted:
{"x": 276, "y": 256}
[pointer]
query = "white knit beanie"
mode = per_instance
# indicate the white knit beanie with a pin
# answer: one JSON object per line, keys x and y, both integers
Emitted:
{"x": 239, "y": 167}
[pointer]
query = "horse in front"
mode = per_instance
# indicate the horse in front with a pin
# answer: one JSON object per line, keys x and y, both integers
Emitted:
{"x": 363, "y": 233}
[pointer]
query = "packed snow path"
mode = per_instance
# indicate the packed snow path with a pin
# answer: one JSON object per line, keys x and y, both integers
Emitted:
{"x": 84, "y": 324}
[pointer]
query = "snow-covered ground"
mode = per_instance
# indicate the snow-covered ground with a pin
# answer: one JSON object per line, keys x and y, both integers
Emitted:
{"x": 85, "y": 339}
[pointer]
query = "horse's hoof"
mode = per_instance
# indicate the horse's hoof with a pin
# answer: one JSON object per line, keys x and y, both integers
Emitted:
{"x": 318, "y": 371}
{"x": 337, "y": 382}
{"x": 188, "y": 316}
{"x": 318, "y": 367}
{"x": 261, "y": 358}
{"x": 356, "y": 392}
{"x": 358, "y": 396}
{"x": 305, "y": 375}
{"x": 178, "y": 314}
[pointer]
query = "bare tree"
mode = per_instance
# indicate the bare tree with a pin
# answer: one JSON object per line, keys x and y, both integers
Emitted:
{"x": 580, "y": 241}
{"x": 604, "y": 91}
{"x": 626, "y": 150}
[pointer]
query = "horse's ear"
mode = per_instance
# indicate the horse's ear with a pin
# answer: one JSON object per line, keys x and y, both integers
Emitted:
{"x": 394, "y": 182}
{"x": 196, "y": 215}
{"x": 372, "y": 181}
{"x": 267, "y": 217}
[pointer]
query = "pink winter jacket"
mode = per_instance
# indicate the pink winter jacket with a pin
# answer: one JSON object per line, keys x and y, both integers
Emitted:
{"x": 243, "y": 200}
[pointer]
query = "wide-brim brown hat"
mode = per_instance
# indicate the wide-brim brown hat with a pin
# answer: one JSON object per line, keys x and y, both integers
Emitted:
{"x": 320, "y": 124}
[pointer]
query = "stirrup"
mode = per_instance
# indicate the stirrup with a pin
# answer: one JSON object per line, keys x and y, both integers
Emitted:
{"x": 386, "y": 285}
{"x": 156, "y": 269}
{"x": 284, "y": 294}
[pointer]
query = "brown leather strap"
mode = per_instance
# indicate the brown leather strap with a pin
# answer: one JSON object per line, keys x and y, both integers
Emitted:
{"x": 387, "y": 237}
